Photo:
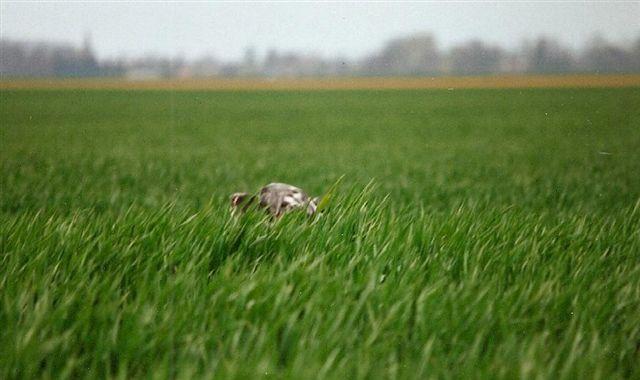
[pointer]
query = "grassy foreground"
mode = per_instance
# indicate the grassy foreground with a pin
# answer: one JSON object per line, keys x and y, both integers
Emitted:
{"x": 476, "y": 234}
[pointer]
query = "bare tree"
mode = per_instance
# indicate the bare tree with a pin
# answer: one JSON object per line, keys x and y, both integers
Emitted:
{"x": 635, "y": 55}
{"x": 548, "y": 56}
{"x": 413, "y": 55}
{"x": 602, "y": 56}
{"x": 475, "y": 57}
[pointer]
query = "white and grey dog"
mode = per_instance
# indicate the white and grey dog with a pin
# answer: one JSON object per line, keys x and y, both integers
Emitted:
{"x": 277, "y": 199}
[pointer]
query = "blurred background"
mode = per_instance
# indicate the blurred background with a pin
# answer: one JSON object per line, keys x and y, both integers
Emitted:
{"x": 140, "y": 41}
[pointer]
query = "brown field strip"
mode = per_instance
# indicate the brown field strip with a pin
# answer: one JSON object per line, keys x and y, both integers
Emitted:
{"x": 359, "y": 83}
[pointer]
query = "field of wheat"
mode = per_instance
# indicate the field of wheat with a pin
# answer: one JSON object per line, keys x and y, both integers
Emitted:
{"x": 475, "y": 233}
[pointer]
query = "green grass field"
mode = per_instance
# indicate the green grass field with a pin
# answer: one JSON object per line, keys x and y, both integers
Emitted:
{"x": 475, "y": 234}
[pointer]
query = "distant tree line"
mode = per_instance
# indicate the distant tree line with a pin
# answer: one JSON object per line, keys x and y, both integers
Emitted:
{"x": 413, "y": 55}
{"x": 40, "y": 59}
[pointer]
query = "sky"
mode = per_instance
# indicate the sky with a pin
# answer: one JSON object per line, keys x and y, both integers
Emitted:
{"x": 351, "y": 30}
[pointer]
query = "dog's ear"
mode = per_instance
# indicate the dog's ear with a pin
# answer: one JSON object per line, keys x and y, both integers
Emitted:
{"x": 238, "y": 198}
{"x": 241, "y": 201}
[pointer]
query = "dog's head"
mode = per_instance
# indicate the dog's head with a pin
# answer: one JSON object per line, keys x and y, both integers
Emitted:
{"x": 241, "y": 201}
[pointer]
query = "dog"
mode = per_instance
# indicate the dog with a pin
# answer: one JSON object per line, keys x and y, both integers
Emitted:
{"x": 277, "y": 199}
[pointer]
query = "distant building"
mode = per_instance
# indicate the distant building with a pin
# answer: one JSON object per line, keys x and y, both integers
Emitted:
{"x": 143, "y": 73}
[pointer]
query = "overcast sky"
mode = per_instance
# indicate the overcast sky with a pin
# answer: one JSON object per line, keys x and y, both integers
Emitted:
{"x": 191, "y": 29}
